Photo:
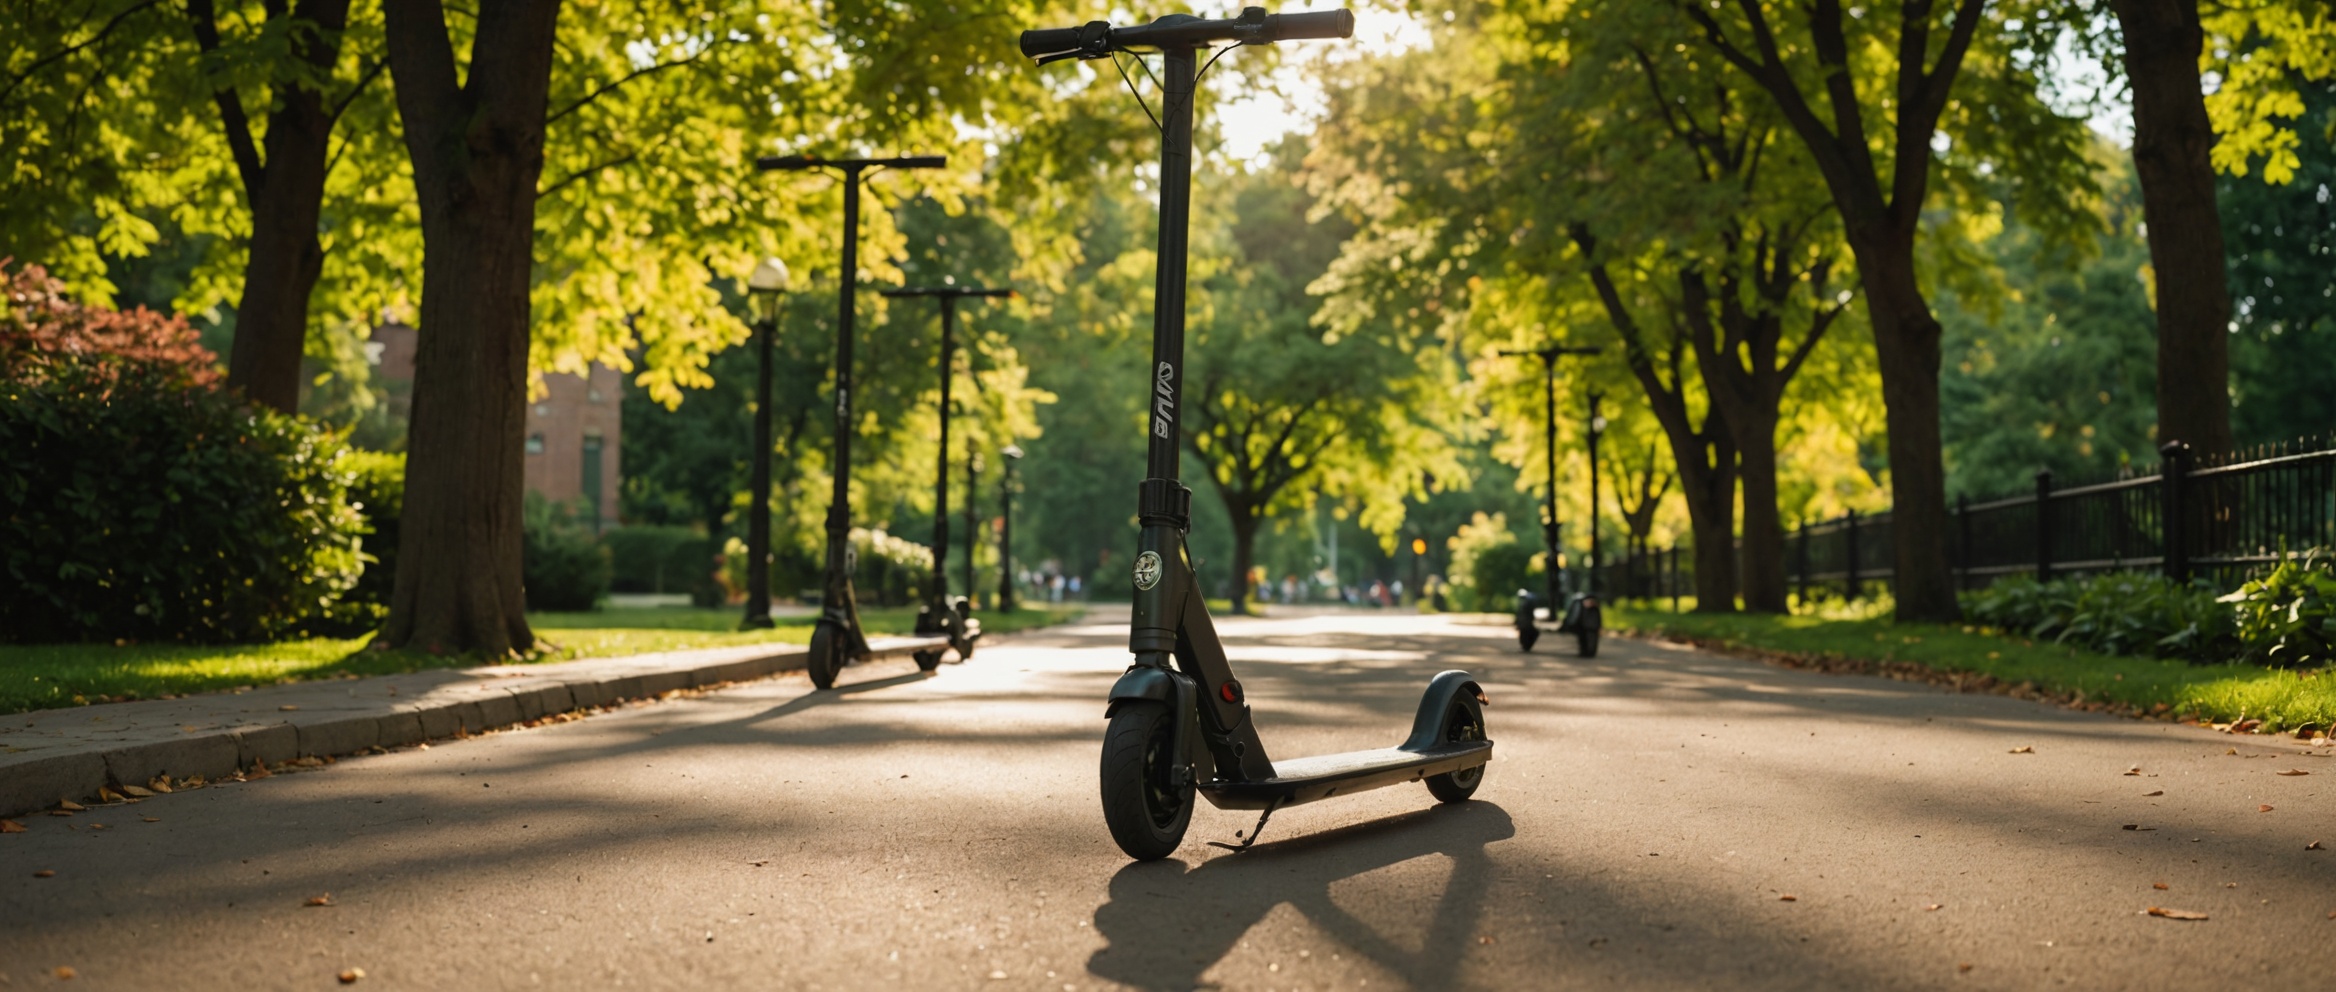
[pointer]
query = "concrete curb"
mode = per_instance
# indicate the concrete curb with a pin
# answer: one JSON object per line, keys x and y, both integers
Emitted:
{"x": 52, "y": 755}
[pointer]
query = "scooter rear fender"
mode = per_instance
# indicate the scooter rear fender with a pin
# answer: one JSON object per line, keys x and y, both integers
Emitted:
{"x": 1427, "y": 728}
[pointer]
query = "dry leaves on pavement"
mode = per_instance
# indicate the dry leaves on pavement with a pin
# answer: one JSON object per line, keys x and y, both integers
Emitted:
{"x": 2174, "y": 914}
{"x": 1788, "y": 897}
{"x": 45, "y": 873}
{"x": 2024, "y": 749}
{"x": 2295, "y": 771}
{"x": 65, "y": 973}
{"x": 2264, "y": 808}
{"x": 349, "y": 976}
{"x": 11, "y": 827}
{"x": 323, "y": 900}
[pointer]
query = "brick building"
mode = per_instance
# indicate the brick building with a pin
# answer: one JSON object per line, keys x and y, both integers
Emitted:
{"x": 575, "y": 431}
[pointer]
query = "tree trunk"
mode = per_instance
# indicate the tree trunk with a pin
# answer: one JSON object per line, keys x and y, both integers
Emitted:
{"x": 285, "y": 190}
{"x": 1906, "y": 340}
{"x": 477, "y": 151}
{"x": 1244, "y": 521}
{"x": 2171, "y": 141}
{"x": 1710, "y": 492}
{"x": 1763, "y": 552}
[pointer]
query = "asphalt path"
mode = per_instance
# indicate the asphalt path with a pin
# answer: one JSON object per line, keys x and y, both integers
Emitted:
{"x": 1658, "y": 817}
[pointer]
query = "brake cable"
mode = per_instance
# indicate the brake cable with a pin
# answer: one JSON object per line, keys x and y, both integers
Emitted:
{"x": 1138, "y": 94}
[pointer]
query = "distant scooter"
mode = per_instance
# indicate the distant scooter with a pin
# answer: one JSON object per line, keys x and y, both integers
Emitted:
{"x": 1581, "y": 617}
{"x": 1179, "y": 722}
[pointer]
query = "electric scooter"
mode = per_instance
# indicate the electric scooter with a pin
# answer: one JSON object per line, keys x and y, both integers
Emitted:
{"x": 1179, "y": 723}
{"x": 1582, "y": 616}
{"x": 837, "y": 639}
{"x": 943, "y": 615}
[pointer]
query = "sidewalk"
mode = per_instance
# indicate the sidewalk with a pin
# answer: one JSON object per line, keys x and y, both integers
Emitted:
{"x": 69, "y": 754}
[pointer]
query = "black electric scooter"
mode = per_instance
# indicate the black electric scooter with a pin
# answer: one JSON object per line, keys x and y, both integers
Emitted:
{"x": 837, "y": 639}
{"x": 1178, "y": 720}
{"x": 1582, "y": 616}
{"x": 942, "y": 614}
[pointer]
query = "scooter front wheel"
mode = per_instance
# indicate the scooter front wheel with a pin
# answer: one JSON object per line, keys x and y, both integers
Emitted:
{"x": 1463, "y": 722}
{"x": 827, "y": 654}
{"x": 1143, "y": 804}
{"x": 1586, "y": 639}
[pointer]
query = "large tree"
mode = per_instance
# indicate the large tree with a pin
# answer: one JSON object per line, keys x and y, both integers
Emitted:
{"x": 1869, "y": 92}
{"x": 231, "y": 120}
{"x": 1284, "y": 410}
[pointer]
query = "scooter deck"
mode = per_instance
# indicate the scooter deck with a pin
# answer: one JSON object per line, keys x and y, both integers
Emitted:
{"x": 1304, "y": 780}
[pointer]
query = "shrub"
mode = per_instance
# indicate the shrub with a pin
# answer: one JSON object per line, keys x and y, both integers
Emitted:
{"x": 657, "y": 559}
{"x": 137, "y": 501}
{"x": 565, "y": 566}
{"x": 2114, "y": 613}
{"x": 1499, "y": 571}
{"x": 2287, "y": 618}
{"x": 377, "y": 487}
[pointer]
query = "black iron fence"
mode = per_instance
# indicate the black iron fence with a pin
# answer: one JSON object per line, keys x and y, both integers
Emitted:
{"x": 2218, "y": 518}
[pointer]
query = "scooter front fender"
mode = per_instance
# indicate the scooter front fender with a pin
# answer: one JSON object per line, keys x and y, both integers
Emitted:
{"x": 1427, "y": 728}
{"x": 1146, "y": 682}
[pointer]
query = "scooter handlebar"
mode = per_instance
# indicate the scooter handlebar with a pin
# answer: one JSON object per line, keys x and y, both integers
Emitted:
{"x": 1096, "y": 39}
{"x": 1311, "y": 24}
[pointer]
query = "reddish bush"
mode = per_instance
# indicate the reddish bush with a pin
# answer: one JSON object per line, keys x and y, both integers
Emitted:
{"x": 41, "y": 326}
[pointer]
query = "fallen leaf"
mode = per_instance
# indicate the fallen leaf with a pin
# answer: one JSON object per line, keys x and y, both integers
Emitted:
{"x": 70, "y": 806}
{"x": 1965, "y": 966}
{"x": 107, "y": 794}
{"x": 1788, "y": 897}
{"x": 2174, "y": 914}
{"x": 151, "y": 819}
{"x": 1932, "y": 908}
{"x": 137, "y": 791}
{"x": 11, "y": 827}
{"x": 161, "y": 783}
{"x": 2313, "y": 846}
{"x": 2157, "y": 885}
{"x": 65, "y": 973}
{"x": 60, "y": 812}
{"x": 997, "y": 976}
{"x": 2245, "y": 726}
{"x": 2024, "y": 749}
{"x": 349, "y": 976}
{"x": 2264, "y": 808}
{"x": 2159, "y": 792}
{"x": 1484, "y": 940}
{"x": 323, "y": 900}
{"x": 45, "y": 873}
{"x": 2135, "y": 770}
{"x": 2295, "y": 771}
{"x": 97, "y": 826}
{"x": 258, "y": 770}
{"x": 287, "y": 708}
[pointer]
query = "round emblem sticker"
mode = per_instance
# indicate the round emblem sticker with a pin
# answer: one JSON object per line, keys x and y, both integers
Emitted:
{"x": 1147, "y": 570}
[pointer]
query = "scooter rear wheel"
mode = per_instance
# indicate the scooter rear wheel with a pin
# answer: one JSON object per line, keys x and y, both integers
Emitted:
{"x": 1463, "y": 722}
{"x": 1143, "y": 805}
{"x": 1586, "y": 639}
{"x": 928, "y": 660}
{"x": 827, "y": 655}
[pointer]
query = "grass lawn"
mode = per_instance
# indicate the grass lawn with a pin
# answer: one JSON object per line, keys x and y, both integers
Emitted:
{"x": 2282, "y": 700}
{"x": 45, "y": 676}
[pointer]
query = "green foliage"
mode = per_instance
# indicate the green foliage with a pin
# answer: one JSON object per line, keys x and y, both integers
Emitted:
{"x": 2281, "y": 241}
{"x": 567, "y": 568}
{"x": 2287, "y": 618}
{"x": 657, "y": 559}
{"x": 2266, "y": 54}
{"x": 377, "y": 488}
{"x": 203, "y": 519}
{"x": 2057, "y": 369}
{"x": 1497, "y": 573}
{"x": 2119, "y": 613}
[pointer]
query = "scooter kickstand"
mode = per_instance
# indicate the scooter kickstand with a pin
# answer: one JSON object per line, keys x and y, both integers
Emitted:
{"x": 1260, "y": 828}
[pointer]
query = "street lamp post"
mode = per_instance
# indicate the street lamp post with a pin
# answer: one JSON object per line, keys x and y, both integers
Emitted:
{"x": 1551, "y": 530}
{"x": 935, "y": 618}
{"x": 1013, "y": 453}
{"x": 765, "y": 287}
{"x": 839, "y": 613}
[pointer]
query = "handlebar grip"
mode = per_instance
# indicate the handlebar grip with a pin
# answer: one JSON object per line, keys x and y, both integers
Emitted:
{"x": 1042, "y": 42}
{"x": 1312, "y": 24}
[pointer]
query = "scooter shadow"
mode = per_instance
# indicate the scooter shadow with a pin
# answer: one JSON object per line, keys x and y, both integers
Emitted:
{"x": 1166, "y": 926}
